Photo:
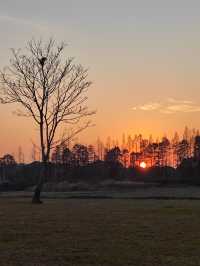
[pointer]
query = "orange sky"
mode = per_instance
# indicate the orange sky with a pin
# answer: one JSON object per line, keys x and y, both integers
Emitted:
{"x": 143, "y": 60}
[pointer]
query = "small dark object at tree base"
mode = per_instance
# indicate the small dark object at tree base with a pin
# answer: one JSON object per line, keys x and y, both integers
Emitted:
{"x": 36, "y": 197}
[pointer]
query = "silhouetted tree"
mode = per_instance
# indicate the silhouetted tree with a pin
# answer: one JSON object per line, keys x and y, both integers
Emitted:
{"x": 164, "y": 151}
{"x": 7, "y": 162}
{"x": 92, "y": 157}
{"x": 197, "y": 148}
{"x": 125, "y": 158}
{"x": 182, "y": 150}
{"x": 113, "y": 155}
{"x": 56, "y": 156}
{"x": 81, "y": 154}
{"x": 174, "y": 144}
{"x": 100, "y": 150}
{"x": 67, "y": 157}
{"x": 50, "y": 90}
{"x": 7, "y": 159}
{"x": 113, "y": 158}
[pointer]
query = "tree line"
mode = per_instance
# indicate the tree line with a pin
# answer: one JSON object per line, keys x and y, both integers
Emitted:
{"x": 81, "y": 164}
{"x": 51, "y": 89}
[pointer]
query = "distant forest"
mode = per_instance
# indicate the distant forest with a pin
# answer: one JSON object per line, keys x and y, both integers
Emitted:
{"x": 167, "y": 161}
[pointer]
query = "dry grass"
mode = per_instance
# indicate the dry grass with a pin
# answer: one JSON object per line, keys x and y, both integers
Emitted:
{"x": 100, "y": 232}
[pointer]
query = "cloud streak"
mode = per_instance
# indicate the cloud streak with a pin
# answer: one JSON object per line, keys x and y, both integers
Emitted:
{"x": 170, "y": 106}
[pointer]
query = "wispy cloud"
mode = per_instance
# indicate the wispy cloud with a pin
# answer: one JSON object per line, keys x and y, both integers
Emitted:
{"x": 172, "y": 100}
{"x": 170, "y": 106}
{"x": 150, "y": 106}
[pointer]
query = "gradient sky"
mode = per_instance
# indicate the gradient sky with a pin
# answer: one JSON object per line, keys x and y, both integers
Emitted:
{"x": 143, "y": 59}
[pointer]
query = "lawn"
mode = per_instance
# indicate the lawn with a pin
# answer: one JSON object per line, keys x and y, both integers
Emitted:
{"x": 116, "y": 232}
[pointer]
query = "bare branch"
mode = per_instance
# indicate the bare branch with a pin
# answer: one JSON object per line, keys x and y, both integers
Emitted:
{"x": 49, "y": 89}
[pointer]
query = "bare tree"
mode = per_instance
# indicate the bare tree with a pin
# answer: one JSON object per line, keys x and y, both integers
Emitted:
{"x": 50, "y": 90}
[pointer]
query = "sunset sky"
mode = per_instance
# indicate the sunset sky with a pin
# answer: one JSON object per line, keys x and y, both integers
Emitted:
{"x": 143, "y": 58}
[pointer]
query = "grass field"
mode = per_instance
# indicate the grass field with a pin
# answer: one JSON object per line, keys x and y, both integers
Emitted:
{"x": 100, "y": 232}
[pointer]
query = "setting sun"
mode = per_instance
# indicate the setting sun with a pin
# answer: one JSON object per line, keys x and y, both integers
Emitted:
{"x": 143, "y": 165}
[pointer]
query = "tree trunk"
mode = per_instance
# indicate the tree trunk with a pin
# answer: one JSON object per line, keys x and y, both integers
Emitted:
{"x": 38, "y": 189}
{"x": 36, "y": 196}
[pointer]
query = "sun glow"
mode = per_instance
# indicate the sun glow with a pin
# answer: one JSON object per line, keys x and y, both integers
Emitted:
{"x": 143, "y": 165}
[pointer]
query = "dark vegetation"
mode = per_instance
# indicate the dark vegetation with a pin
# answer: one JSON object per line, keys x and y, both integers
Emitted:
{"x": 99, "y": 232}
{"x": 95, "y": 175}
